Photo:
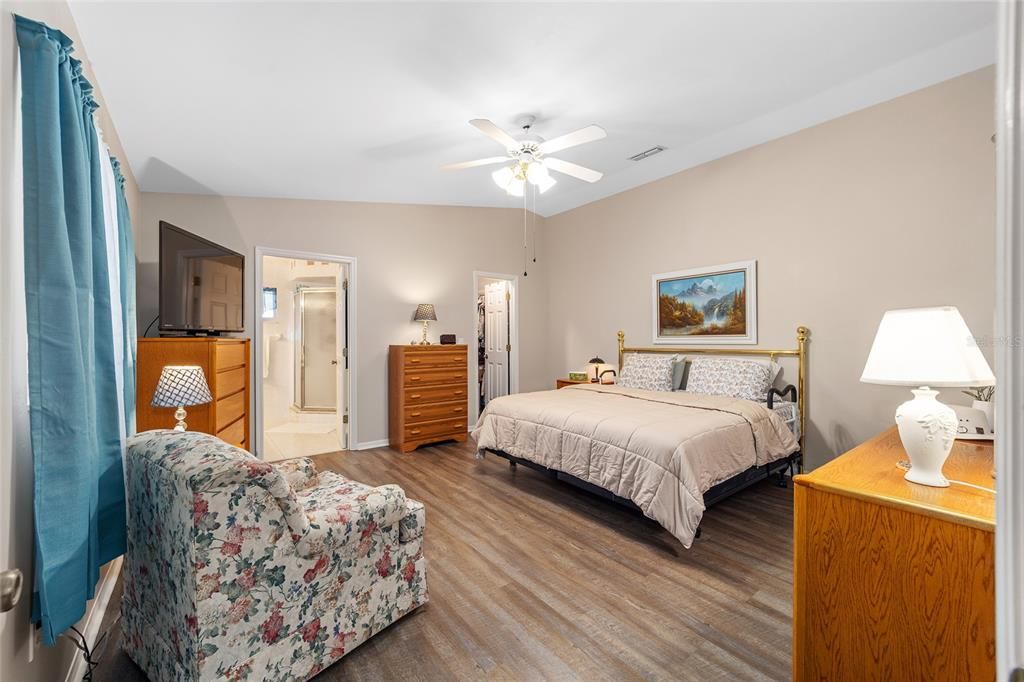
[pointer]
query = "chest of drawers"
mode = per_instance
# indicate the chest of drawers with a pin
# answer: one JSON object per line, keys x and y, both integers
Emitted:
{"x": 894, "y": 580}
{"x": 225, "y": 363}
{"x": 427, "y": 395}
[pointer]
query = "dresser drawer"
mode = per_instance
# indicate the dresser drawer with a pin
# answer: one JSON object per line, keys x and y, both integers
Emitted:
{"x": 426, "y": 413}
{"x": 229, "y": 409}
{"x": 226, "y": 383}
{"x": 434, "y": 394}
{"x": 229, "y": 355}
{"x": 435, "y": 377}
{"x": 439, "y": 429}
{"x": 449, "y": 359}
{"x": 234, "y": 434}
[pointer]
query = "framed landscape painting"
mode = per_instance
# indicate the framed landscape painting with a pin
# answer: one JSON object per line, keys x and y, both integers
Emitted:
{"x": 706, "y": 306}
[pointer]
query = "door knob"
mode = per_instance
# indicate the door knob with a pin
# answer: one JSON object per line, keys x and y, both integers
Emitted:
{"x": 10, "y": 589}
{"x": 334, "y": 362}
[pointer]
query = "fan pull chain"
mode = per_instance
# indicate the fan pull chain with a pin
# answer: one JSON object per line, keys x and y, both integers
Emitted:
{"x": 525, "y": 249}
{"x": 534, "y": 223}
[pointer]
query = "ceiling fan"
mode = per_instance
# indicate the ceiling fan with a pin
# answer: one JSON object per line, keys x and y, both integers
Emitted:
{"x": 529, "y": 156}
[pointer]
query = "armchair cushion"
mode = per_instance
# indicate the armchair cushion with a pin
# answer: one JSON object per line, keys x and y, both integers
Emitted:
{"x": 342, "y": 512}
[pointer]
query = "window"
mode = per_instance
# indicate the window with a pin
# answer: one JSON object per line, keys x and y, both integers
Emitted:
{"x": 269, "y": 303}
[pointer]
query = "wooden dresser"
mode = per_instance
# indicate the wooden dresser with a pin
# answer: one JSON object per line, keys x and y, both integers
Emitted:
{"x": 894, "y": 580}
{"x": 226, "y": 364}
{"x": 427, "y": 395}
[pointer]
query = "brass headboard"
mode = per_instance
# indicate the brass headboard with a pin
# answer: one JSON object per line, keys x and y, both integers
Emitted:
{"x": 800, "y": 353}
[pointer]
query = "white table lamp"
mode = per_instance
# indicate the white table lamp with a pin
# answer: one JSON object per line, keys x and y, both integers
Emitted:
{"x": 181, "y": 386}
{"x": 926, "y": 347}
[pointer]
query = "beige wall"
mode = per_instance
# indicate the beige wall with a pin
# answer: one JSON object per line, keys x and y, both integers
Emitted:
{"x": 889, "y": 207}
{"x": 16, "y": 545}
{"x": 406, "y": 255}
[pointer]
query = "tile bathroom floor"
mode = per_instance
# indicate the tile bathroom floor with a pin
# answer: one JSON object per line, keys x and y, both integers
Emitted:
{"x": 299, "y": 439}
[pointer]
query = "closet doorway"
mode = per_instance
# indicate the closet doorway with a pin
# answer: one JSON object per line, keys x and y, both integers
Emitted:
{"x": 304, "y": 355}
{"x": 495, "y": 361}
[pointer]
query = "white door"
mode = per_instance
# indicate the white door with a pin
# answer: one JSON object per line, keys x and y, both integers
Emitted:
{"x": 342, "y": 353}
{"x": 496, "y": 343}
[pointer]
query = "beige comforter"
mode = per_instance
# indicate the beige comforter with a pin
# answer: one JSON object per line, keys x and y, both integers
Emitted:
{"x": 660, "y": 450}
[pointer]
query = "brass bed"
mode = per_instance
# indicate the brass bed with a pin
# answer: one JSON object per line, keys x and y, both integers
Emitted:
{"x": 789, "y": 464}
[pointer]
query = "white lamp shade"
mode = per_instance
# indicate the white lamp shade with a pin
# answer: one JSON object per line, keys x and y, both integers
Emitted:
{"x": 502, "y": 177}
{"x": 544, "y": 183}
{"x": 926, "y": 347}
{"x": 515, "y": 187}
{"x": 536, "y": 172}
{"x": 181, "y": 386}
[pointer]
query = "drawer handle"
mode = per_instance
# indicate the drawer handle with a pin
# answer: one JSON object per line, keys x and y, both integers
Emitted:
{"x": 415, "y": 395}
{"x": 414, "y": 378}
{"x": 415, "y": 431}
{"x": 456, "y": 410}
{"x": 414, "y": 362}
{"x": 415, "y": 414}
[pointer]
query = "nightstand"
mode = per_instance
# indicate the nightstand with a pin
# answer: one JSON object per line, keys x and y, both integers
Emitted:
{"x": 894, "y": 579}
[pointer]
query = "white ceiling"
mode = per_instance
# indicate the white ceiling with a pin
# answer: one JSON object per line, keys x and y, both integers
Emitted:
{"x": 363, "y": 102}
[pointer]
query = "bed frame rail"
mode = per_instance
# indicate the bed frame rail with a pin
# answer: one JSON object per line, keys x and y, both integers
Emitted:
{"x": 716, "y": 493}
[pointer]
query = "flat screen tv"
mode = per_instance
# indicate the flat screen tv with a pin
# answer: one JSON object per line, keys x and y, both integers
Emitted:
{"x": 200, "y": 284}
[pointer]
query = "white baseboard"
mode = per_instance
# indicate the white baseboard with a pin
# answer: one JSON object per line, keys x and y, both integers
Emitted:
{"x": 93, "y": 618}
{"x": 371, "y": 444}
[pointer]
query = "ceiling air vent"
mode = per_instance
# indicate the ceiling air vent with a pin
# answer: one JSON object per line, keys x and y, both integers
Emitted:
{"x": 647, "y": 153}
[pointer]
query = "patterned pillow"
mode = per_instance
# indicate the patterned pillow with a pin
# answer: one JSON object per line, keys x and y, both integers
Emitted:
{"x": 731, "y": 377}
{"x": 647, "y": 371}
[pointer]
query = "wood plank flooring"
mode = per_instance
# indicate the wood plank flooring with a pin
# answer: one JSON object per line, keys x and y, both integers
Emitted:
{"x": 530, "y": 578}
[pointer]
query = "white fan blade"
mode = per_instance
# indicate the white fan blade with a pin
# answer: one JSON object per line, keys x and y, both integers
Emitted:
{"x": 473, "y": 164}
{"x": 573, "y": 169}
{"x": 495, "y": 133}
{"x": 581, "y": 136}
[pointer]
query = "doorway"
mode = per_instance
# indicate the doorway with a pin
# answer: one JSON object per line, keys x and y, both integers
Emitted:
{"x": 496, "y": 339}
{"x": 304, "y": 354}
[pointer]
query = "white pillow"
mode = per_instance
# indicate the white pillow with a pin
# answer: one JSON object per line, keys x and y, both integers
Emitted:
{"x": 647, "y": 371}
{"x": 733, "y": 377}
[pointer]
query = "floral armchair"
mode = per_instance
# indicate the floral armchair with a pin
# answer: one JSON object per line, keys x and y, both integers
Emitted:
{"x": 241, "y": 570}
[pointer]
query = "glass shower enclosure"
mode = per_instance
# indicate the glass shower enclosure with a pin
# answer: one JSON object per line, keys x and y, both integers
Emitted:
{"x": 316, "y": 354}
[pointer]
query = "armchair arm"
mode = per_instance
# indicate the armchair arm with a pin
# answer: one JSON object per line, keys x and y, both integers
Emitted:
{"x": 348, "y": 520}
{"x": 789, "y": 390}
{"x": 301, "y": 473}
{"x": 411, "y": 526}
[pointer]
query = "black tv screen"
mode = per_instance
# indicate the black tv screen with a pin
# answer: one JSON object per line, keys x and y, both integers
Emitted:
{"x": 200, "y": 283}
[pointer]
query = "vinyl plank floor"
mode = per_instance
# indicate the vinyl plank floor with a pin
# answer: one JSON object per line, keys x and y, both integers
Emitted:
{"x": 532, "y": 579}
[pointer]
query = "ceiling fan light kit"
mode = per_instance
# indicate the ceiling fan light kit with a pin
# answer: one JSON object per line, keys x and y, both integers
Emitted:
{"x": 527, "y": 154}
{"x": 513, "y": 178}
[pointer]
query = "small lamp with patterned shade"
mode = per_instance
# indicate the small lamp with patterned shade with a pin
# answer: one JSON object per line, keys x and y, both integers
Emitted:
{"x": 425, "y": 314}
{"x": 181, "y": 386}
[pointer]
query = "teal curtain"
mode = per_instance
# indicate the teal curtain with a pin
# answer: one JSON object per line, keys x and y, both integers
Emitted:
{"x": 126, "y": 248}
{"x": 76, "y": 424}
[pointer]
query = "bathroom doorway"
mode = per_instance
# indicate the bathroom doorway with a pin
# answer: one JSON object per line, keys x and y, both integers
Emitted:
{"x": 304, "y": 354}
